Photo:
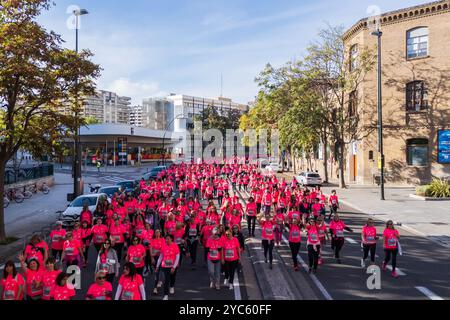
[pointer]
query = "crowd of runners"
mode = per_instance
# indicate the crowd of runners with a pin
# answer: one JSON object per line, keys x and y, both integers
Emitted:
{"x": 165, "y": 222}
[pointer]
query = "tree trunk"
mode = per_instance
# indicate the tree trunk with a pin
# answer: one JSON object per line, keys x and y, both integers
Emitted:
{"x": 2, "y": 192}
{"x": 293, "y": 160}
{"x": 341, "y": 166}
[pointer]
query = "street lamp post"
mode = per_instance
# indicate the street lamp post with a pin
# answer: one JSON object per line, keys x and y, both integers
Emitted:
{"x": 378, "y": 34}
{"x": 77, "y": 160}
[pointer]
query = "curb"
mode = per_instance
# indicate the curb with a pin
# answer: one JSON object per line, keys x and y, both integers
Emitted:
{"x": 414, "y": 196}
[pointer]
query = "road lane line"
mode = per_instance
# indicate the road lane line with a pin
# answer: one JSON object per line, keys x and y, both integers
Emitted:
{"x": 351, "y": 240}
{"x": 313, "y": 277}
{"x": 237, "y": 288}
{"x": 430, "y": 294}
{"x": 399, "y": 272}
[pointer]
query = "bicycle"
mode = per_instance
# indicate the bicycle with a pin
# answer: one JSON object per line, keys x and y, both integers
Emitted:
{"x": 44, "y": 188}
{"x": 27, "y": 192}
{"x": 17, "y": 196}
{"x": 5, "y": 201}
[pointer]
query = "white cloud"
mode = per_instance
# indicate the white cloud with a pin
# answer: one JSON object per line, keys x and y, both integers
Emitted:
{"x": 136, "y": 90}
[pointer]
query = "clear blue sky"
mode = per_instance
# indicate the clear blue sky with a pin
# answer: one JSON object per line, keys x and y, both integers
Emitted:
{"x": 154, "y": 47}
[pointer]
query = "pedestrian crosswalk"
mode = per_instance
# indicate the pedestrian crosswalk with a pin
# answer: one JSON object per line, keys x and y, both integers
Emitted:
{"x": 114, "y": 179}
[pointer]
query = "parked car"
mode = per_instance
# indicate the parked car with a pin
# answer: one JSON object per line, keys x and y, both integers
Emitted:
{"x": 73, "y": 211}
{"x": 153, "y": 174}
{"x": 110, "y": 190}
{"x": 309, "y": 179}
{"x": 128, "y": 185}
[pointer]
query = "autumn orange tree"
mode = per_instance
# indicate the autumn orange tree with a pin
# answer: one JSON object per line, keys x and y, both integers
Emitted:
{"x": 36, "y": 75}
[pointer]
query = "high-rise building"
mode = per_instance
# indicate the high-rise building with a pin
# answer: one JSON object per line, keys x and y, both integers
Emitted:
{"x": 157, "y": 114}
{"x": 136, "y": 116}
{"x": 106, "y": 107}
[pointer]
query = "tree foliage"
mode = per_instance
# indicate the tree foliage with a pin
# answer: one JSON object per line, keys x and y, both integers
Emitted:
{"x": 37, "y": 75}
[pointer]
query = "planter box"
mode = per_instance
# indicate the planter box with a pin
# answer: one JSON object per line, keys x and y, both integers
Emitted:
{"x": 414, "y": 196}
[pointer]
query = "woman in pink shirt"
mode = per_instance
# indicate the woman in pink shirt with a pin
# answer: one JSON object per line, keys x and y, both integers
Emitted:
{"x": 49, "y": 278}
{"x": 101, "y": 289}
{"x": 369, "y": 241}
{"x": 12, "y": 284}
{"x": 251, "y": 212}
{"x": 231, "y": 255}
{"x": 57, "y": 238}
{"x": 169, "y": 262}
{"x": 337, "y": 227}
{"x": 295, "y": 240}
{"x": 268, "y": 237}
{"x": 33, "y": 275}
{"x": 136, "y": 255}
{"x": 131, "y": 285}
{"x": 313, "y": 245}
{"x": 390, "y": 244}
{"x": 62, "y": 291}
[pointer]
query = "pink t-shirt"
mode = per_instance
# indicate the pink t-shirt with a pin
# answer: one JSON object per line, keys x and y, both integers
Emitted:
{"x": 369, "y": 235}
{"x": 267, "y": 230}
{"x": 62, "y": 293}
{"x": 48, "y": 281}
{"x": 294, "y": 234}
{"x": 231, "y": 247}
{"x": 98, "y": 292}
{"x": 338, "y": 228}
{"x": 130, "y": 287}
{"x": 57, "y": 237}
{"x": 391, "y": 241}
{"x": 136, "y": 255}
{"x": 31, "y": 278}
{"x": 11, "y": 286}
{"x": 214, "y": 245}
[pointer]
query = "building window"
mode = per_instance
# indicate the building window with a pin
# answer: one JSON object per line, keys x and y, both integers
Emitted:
{"x": 353, "y": 104}
{"x": 417, "y": 152}
{"x": 353, "y": 57}
{"x": 417, "y": 42}
{"x": 416, "y": 96}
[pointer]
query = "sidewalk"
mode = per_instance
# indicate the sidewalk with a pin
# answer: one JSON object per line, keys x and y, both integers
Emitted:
{"x": 429, "y": 219}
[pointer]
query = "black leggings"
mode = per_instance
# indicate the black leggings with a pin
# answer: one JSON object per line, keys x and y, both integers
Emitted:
{"x": 387, "y": 257}
{"x": 372, "y": 248}
{"x": 251, "y": 223}
{"x": 258, "y": 208}
{"x": 169, "y": 279}
{"x": 268, "y": 246}
{"x": 118, "y": 247}
{"x": 295, "y": 248}
{"x": 155, "y": 258}
{"x": 110, "y": 278}
{"x": 230, "y": 270}
{"x": 193, "y": 250}
{"x": 336, "y": 245}
{"x": 313, "y": 256}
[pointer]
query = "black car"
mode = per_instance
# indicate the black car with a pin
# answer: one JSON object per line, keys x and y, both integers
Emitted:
{"x": 153, "y": 174}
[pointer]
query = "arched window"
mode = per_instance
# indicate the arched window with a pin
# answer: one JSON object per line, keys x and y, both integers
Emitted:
{"x": 416, "y": 96}
{"x": 417, "y": 42}
{"x": 417, "y": 152}
{"x": 353, "y": 57}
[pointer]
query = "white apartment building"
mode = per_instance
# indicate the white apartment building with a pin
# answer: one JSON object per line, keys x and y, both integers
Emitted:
{"x": 105, "y": 106}
{"x": 157, "y": 114}
{"x": 136, "y": 116}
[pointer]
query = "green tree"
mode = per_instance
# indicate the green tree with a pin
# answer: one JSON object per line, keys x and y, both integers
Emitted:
{"x": 36, "y": 76}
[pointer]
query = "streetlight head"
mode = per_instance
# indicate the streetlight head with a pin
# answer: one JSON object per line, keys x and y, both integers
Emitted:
{"x": 80, "y": 12}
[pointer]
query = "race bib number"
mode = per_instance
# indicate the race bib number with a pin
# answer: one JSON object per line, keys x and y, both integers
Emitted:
{"x": 69, "y": 251}
{"x": 333, "y": 201}
{"x": 251, "y": 212}
{"x": 168, "y": 263}
{"x": 156, "y": 252}
{"x": 100, "y": 298}
{"x": 295, "y": 234}
{"x": 295, "y": 216}
{"x": 178, "y": 240}
{"x": 136, "y": 260}
{"x": 229, "y": 253}
{"x": 56, "y": 238}
{"x": 282, "y": 205}
{"x": 370, "y": 238}
{"x": 47, "y": 291}
{"x": 192, "y": 232}
{"x": 9, "y": 295}
{"x": 269, "y": 231}
{"x": 127, "y": 295}
{"x": 111, "y": 261}
{"x": 116, "y": 238}
{"x": 99, "y": 239}
{"x": 339, "y": 233}
{"x": 214, "y": 254}
{"x": 313, "y": 236}
{"x": 392, "y": 242}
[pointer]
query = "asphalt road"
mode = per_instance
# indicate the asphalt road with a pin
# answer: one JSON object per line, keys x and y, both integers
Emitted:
{"x": 424, "y": 267}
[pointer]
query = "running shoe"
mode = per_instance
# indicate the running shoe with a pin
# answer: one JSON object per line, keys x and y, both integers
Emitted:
{"x": 363, "y": 263}
{"x": 383, "y": 266}
{"x": 211, "y": 285}
{"x": 394, "y": 274}
{"x": 320, "y": 261}
{"x": 225, "y": 282}
{"x": 265, "y": 260}
{"x": 159, "y": 284}
{"x": 166, "y": 298}
{"x": 155, "y": 291}
{"x": 231, "y": 287}
{"x": 217, "y": 286}
{"x": 172, "y": 290}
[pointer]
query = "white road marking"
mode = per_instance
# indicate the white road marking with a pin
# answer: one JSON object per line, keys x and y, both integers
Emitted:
{"x": 429, "y": 293}
{"x": 237, "y": 288}
{"x": 351, "y": 240}
{"x": 399, "y": 272}
{"x": 313, "y": 277}
{"x": 113, "y": 179}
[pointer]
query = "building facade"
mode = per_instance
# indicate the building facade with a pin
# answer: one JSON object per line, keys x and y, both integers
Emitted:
{"x": 157, "y": 114}
{"x": 135, "y": 116}
{"x": 416, "y": 96}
